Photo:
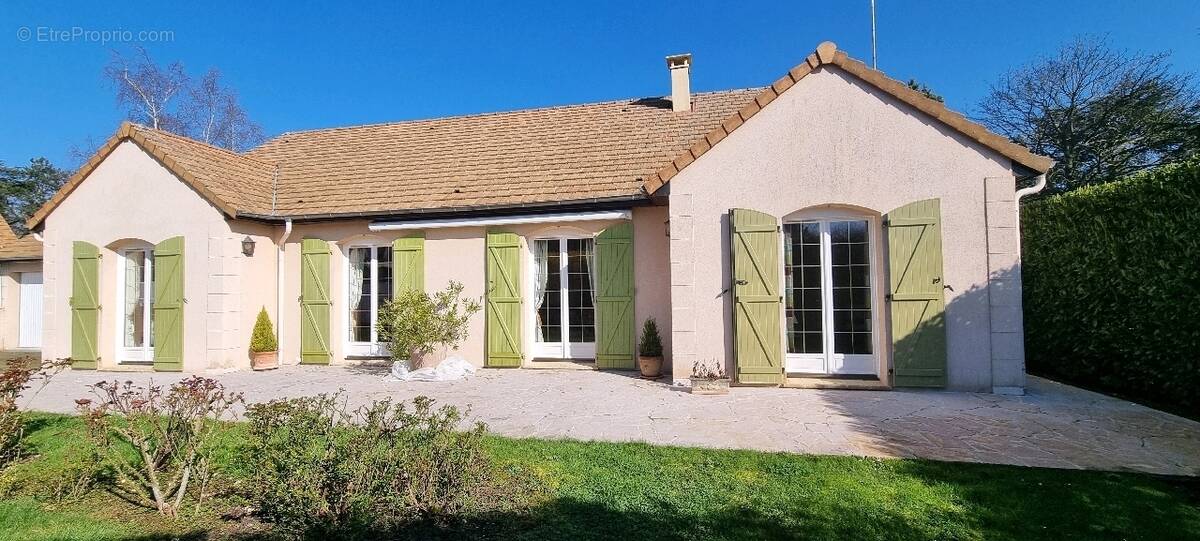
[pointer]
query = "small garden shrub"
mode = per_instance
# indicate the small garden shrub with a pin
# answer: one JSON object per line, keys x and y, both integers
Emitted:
{"x": 168, "y": 432}
{"x": 1112, "y": 286}
{"x": 323, "y": 470}
{"x": 16, "y": 378}
{"x": 262, "y": 339}
{"x": 416, "y": 322}
{"x": 651, "y": 343}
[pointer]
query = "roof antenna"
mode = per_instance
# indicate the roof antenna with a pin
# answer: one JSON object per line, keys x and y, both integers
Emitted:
{"x": 874, "y": 61}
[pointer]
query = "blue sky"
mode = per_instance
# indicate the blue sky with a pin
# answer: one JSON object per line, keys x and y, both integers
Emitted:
{"x": 301, "y": 65}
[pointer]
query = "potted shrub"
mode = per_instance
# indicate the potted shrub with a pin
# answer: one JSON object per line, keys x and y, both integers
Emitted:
{"x": 264, "y": 350}
{"x": 708, "y": 377}
{"x": 420, "y": 328}
{"x": 650, "y": 353}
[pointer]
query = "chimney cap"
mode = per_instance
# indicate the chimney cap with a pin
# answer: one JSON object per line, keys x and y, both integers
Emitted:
{"x": 683, "y": 60}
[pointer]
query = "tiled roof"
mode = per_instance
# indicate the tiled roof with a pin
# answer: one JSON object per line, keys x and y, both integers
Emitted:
{"x": 573, "y": 153}
{"x": 827, "y": 53}
{"x": 233, "y": 182}
{"x": 13, "y": 247}
{"x": 625, "y": 149}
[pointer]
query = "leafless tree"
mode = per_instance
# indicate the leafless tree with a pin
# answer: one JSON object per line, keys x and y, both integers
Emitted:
{"x": 213, "y": 115}
{"x": 1100, "y": 113}
{"x": 166, "y": 98}
{"x": 147, "y": 89}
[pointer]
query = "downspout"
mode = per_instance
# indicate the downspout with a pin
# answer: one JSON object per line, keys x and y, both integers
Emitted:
{"x": 1037, "y": 187}
{"x": 279, "y": 257}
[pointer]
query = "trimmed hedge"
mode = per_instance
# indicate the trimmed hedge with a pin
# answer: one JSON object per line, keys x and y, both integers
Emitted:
{"x": 1112, "y": 287}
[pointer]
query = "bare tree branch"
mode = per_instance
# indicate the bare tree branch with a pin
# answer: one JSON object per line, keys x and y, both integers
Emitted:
{"x": 1101, "y": 114}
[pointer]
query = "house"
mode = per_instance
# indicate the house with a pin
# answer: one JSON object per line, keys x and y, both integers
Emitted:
{"x": 833, "y": 228}
{"x": 20, "y": 293}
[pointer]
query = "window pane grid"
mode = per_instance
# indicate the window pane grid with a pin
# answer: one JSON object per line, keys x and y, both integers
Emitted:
{"x": 581, "y": 316}
{"x": 802, "y": 271}
{"x": 850, "y": 264}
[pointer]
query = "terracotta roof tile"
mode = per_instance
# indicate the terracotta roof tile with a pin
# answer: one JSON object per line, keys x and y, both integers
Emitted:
{"x": 569, "y": 153}
{"x": 13, "y": 247}
{"x": 620, "y": 149}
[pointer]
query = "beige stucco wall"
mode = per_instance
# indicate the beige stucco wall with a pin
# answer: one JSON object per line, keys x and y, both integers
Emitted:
{"x": 10, "y": 301}
{"x": 832, "y": 139}
{"x": 457, "y": 254}
{"x": 131, "y": 198}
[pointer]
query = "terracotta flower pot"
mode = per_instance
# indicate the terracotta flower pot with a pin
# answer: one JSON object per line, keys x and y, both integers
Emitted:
{"x": 427, "y": 359}
{"x": 264, "y": 360}
{"x": 651, "y": 367}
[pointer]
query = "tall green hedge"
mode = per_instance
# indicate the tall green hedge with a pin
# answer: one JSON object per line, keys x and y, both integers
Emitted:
{"x": 1112, "y": 287}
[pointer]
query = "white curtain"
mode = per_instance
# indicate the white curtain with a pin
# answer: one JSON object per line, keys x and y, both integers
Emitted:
{"x": 133, "y": 298}
{"x": 589, "y": 259}
{"x": 541, "y": 276}
{"x": 360, "y": 261}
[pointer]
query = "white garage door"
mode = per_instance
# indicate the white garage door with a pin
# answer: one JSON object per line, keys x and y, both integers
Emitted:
{"x": 31, "y": 310}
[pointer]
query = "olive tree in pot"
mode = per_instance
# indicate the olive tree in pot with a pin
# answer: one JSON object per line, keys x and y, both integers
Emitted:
{"x": 650, "y": 351}
{"x": 264, "y": 349}
{"x": 420, "y": 328}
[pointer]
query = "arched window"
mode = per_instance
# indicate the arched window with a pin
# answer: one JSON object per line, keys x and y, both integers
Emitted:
{"x": 831, "y": 291}
{"x": 135, "y": 301}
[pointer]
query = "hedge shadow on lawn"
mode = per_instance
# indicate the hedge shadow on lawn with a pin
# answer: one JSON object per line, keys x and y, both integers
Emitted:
{"x": 573, "y": 519}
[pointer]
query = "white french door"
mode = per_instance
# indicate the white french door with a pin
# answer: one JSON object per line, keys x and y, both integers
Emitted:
{"x": 369, "y": 287}
{"x": 136, "y": 301}
{"x": 30, "y": 311}
{"x": 830, "y": 296}
{"x": 563, "y": 304}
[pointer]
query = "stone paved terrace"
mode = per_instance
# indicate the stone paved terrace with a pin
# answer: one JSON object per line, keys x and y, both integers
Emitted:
{"x": 1054, "y": 425}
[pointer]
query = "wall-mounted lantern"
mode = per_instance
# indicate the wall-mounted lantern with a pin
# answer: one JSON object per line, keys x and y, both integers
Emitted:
{"x": 248, "y": 246}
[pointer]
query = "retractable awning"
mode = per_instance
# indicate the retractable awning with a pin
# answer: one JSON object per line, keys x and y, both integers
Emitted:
{"x": 502, "y": 220}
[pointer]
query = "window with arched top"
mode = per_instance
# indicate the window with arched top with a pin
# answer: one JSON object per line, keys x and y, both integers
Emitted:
{"x": 831, "y": 291}
{"x": 135, "y": 301}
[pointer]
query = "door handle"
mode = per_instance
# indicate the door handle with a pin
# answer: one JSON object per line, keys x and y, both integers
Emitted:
{"x": 742, "y": 282}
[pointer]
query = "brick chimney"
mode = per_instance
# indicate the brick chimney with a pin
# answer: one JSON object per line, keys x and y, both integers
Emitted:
{"x": 680, "y": 66}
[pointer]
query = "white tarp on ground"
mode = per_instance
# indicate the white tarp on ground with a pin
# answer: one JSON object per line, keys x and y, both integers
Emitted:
{"x": 452, "y": 368}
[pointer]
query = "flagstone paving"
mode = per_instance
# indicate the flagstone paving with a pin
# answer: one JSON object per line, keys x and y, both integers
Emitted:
{"x": 1053, "y": 425}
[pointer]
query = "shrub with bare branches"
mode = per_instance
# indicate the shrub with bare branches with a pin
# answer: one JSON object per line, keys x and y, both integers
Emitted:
{"x": 16, "y": 378}
{"x": 168, "y": 429}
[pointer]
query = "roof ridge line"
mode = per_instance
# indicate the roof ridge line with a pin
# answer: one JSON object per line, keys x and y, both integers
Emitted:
{"x": 135, "y": 125}
{"x": 497, "y": 113}
{"x": 828, "y": 54}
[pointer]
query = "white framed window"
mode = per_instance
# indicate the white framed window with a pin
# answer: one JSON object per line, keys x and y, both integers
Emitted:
{"x": 563, "y": 304}
{"x": 831, "y": 301}
{"x": 369, "y": 286}
{"x": 135, "y": 301}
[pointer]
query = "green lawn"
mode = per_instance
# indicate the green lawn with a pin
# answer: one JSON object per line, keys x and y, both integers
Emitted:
{"x": 635, "y": 491}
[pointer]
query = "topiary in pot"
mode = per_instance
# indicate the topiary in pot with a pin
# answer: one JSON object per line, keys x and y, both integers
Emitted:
{"x": 264, "y": 349}
{"x": 650, "y": 351}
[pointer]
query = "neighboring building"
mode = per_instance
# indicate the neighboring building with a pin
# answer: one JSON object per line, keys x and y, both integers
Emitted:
{"x": 20, "y": 292}
{"x": 835, "y": 223}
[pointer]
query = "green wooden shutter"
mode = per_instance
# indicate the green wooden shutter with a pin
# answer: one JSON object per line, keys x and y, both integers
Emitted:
{"x": 757, "y": 319}
{"x": 315, "y": 304}
{"x": 408, "y": 264}
{"x": 614, "y": 298}
{"x": 168, "y": 305}
{"x": 503, "y": 321}
{"x": 917, "y": 302}
{"x": 85, "y": 305}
